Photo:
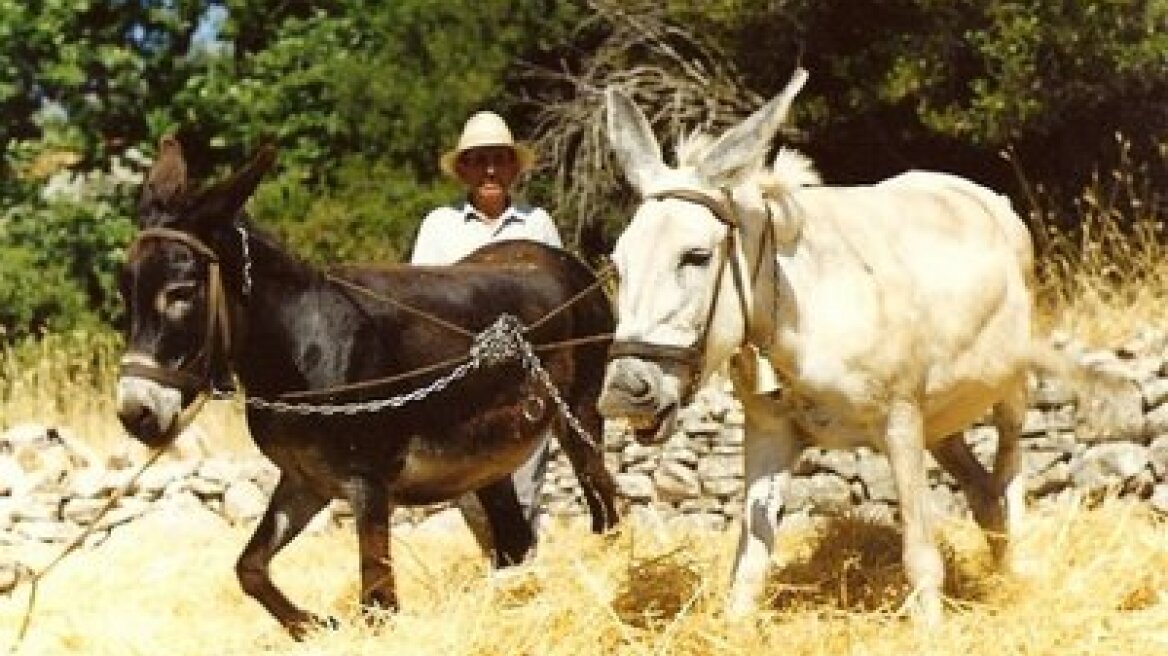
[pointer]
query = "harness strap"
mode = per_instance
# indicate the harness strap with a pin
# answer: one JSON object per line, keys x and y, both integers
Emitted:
{"x": 177, "y": 378}
{"x": 404, "y": 306}
{"x": 719, "y": 210}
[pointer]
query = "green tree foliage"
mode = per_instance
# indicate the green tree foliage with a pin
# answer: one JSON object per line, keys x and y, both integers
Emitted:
{"x": 361, "y": 101}
{"x": 59, "y": 252}
{"x": 953, "y": 83}
{"x": 361, "y": 98}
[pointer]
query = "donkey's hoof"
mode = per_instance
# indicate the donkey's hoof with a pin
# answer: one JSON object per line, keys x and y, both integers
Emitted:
{"x": 326, "y": 622}
{"x": 310, "y": 623}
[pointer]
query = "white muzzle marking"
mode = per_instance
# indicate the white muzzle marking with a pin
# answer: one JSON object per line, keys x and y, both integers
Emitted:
{"x": 134, "y": 393}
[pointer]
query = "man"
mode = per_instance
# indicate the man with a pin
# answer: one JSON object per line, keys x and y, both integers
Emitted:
{"x": 486, "y": 161}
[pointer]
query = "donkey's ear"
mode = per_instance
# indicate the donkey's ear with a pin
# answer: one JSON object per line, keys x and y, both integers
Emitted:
{"x": 631, "y": 138}
{"x": 745, "y": 144}
{"x": 220, "y": 203}
{"x": 165, "y": 187}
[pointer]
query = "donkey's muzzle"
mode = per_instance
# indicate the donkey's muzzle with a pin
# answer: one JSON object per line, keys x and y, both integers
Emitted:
{"x": 142, "y": 423}
{"x": 152, "y": 413}
{"x": 634, "y": 390}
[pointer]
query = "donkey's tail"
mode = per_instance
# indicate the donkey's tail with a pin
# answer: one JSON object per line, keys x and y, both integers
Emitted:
{"x": 1081, "y": 371}
{"x": 1109, "y": 398}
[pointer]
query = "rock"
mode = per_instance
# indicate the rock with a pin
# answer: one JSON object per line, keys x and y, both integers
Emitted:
{"x": 206, "y": 487}
{"x": 824, "y": 493}
{"x": 637, "y": 487}
{"x": 723, "y": 488}
{"x": 876, "y": 475}
{"x": 158, "y": 477}
{"x": 1156, "y": 421}
{"x": 244, "y": 502}
{"x": 1109, "y": 414}
{"x": 1159, "y": 499}
{"x": 676, "y": 482}
{"x": 1158, "y": 453}
{"x": 1036, "y": 463}
{"x": 681, "y": 454}
{"x": 1053, "y": 480}
{"x": 127, "y": 509}
{"x": 842, "y": 462}
{"x": 82, "y": 510}
{"x": 1155, "y": 393}
{"x": 12, "y": 573}
{"x": 92, "y": 483}
{"x": 48, "y": 530}
{"x": 1109, "y": 466}
{"x": 219, "y": 470}
{"x": 699, "y": 522}
{"x": 37, "y": 506}
{"x": 1051, "y": 393}
{"x": 720, "y": 466}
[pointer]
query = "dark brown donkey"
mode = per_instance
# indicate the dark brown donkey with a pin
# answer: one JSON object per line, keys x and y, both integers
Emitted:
{"x": 371, "y": 358}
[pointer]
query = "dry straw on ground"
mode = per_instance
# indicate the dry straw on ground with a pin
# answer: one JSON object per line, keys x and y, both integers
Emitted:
{"x": 1096, "y": 583}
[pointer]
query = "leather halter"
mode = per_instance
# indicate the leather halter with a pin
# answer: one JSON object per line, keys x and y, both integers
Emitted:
{"x": 690, "y": 357}
{"x": 193, "y": 376}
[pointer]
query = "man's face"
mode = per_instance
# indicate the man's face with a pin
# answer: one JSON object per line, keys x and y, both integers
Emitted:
{"x": 488, "y": 171}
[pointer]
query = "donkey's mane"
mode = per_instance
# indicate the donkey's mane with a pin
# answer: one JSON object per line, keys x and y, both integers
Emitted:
{"x": 692, "y": 148}
{"x": 790, "y": 170}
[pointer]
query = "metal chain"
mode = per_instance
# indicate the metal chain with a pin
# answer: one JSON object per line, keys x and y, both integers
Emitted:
{"x": 246, "y": 254}
{"x": 499, "y": 343}
{"x": 361, "y": 407}
{"x": 535, "y": 368}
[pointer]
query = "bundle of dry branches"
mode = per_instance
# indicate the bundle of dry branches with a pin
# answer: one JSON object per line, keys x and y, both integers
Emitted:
{"x": 680, "y": 80}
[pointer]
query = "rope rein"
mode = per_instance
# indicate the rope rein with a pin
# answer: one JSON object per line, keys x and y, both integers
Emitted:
{"x": 77, "y": 541}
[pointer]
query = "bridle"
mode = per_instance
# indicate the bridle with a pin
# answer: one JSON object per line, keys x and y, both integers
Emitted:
{"x": 193, "y": 376}
{"x": 690, "y": 357}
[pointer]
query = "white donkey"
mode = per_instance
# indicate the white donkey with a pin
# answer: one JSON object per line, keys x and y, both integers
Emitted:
{"x": 892, "y": 315}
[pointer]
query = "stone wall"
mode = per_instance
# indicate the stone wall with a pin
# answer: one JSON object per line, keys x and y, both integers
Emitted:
{"x": 51, "y": 485}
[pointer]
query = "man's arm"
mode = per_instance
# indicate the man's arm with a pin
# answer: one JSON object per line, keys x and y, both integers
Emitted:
{"x": 545, "y": 229}
{"x": 428, "y": 244}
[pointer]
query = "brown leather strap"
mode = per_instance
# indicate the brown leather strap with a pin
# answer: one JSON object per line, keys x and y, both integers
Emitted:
{"x": 722, "y": 211}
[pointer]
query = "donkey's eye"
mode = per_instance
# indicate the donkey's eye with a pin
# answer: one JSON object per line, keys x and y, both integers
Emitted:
{"x": 180, "y": 293}
{"x": 698, "y": 257}
{"x": 176, "y": 301}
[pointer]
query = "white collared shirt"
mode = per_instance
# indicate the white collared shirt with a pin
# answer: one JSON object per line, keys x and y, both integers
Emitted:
{"x": 450, "y": 233}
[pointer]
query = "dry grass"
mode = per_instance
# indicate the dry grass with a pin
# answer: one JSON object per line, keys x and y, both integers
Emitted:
{"x": 1097, "y": 583}
{"x": 66, "y": 380}
{"x": 1104, "y": 278}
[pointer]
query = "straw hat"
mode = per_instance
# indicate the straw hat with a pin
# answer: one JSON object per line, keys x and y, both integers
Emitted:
{"x": 486, "y": 129}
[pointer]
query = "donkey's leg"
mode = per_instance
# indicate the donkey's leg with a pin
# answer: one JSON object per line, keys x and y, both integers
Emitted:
{"x": 370, "y": 501}
{"x": 771, "y": 448}
{"x": 289, "y": 510}
{"x": 1009, "y": 417}
{"x": 586, "y": 454}
{"x": 956, "y": 457}
{"x": 905, "y": 442}
{"x": 511, "y": 534}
